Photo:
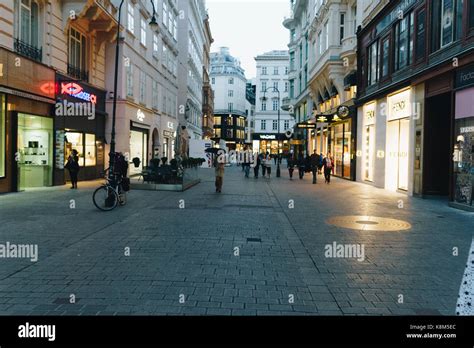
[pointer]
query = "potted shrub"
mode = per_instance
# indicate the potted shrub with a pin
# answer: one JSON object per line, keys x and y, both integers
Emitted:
{"x": 155, "y": 162}
{"x": 136, "y": 162}
{"x": 164, "y": 160}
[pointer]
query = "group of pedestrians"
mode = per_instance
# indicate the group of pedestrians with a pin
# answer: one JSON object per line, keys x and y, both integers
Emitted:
{"x": 314, "y": 164}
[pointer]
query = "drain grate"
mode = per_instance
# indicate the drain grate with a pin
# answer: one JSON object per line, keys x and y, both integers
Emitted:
{"x": 64, "y": 300}
{"x": 254, "y": 240}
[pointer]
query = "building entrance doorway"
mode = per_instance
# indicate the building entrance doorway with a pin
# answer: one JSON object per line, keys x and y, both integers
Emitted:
{"x": 437, "y": 149}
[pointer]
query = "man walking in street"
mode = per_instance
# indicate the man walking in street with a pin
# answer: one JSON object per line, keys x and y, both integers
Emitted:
{"x": 314, "y": 162}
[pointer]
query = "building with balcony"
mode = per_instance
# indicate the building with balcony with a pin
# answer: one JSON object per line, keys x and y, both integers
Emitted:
{"x": 229, "y": 84}
{"x": 208, "y": 93}
{"x": 147, "y": 100}
{"x": 250, "y": 111}
{"x": 52, "y": 52}
{"x": 300, "y": 102}
{"x": 332, "y": 82}
{"x": 272, "y": 86}
{"x": 191, "y": 39}
{"x": 415, "y": 92}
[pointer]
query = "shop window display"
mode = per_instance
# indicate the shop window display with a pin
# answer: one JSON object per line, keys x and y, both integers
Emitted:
{"x": 463, "y": 161}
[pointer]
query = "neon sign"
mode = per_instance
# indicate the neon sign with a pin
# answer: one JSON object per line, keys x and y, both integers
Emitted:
{"x": 75, "y": 90}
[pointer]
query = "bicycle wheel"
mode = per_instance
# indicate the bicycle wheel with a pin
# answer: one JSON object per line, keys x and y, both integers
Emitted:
{"x": 105, "y": 198}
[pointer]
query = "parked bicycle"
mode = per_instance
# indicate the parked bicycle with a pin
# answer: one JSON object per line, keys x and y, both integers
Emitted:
{"x": 114, "y": 191}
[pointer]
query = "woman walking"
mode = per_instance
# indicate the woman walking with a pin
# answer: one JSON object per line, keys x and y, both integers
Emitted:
{"x": 72, "y": 165}
{"x": 219, "y": 176}
{"x": 256, "y": 169}
{"x": 268, "y": 164}
{"x": 328, "y": 167}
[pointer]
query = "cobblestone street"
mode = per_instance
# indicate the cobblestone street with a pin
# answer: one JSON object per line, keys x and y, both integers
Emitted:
{"x": 258, "y": 248}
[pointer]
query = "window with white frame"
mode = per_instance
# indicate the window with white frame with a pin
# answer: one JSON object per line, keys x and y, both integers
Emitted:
{"x": 264, "y": 106}
{"x": 231, "y": 93}
{"x": 131, "y": 18}
{"x": 275, "y": 70}
{"x": 165, "y": 13}
{"x": 287, "y": 85}
{"x": 275, "y": 85}
{"x": 264, "y": 70}
{"x": 27, "y": 23}
{"x": 263, "y": 124}
{"x": 275, "y": 104}
{"x": 175, "y": 29}
{"x": 231, "y": 81}
{"x": 320, "y": 43}
{"x": 155, "y": 43}
{"x": 264, "y": 86}
{"x": 143, "y": 32}
{"x": 155, "y": 98}
{"x": 275, "y": 125}
{"x": 231, "y": 107}
{"x": 77, "y": 50}
{"x": 326, "y": 30}
{"x": 170, "y": 21}
{"x": 342, "y": 23}
{"x": 164, "y": 59}
{"x": 286, "y": 70}
{"x": 142, "y": 95}
{"x": 287, "y": 124}
{"x": 129, "y": 79}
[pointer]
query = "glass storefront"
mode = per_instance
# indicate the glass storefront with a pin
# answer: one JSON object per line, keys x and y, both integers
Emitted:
{"x": 138, "y": 149}
{"x": 341, "y": 148}
{"x": 35, "y": 147}
{"x": 369, "y": 152}
{"x": 464, "y": 161}
{"x": 274, "y": 147}
{"x": 84, "y": 144}
{"x": 3, "y": 149}
{"x": 397, "y": 154}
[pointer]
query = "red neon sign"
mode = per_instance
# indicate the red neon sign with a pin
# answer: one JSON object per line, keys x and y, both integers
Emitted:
{"x": 75, "y": 90}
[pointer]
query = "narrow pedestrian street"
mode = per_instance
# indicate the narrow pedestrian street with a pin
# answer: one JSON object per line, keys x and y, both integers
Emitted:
{"x": 258, "y": 248}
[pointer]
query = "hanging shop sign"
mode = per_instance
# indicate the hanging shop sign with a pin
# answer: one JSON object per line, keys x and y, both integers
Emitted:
{"x": 306, "y": 125}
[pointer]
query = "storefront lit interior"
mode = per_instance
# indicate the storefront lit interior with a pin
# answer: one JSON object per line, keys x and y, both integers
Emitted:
{"x": 139, "y": 149}
{"x": 35, "y": 150}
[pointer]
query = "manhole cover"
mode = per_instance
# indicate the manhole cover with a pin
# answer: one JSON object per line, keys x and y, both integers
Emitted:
{"x": 369, "y": 223}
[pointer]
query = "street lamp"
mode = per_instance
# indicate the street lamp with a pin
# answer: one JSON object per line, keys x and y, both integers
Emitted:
{"x": 154, "y": 26}
{"x": 264, "y": 99}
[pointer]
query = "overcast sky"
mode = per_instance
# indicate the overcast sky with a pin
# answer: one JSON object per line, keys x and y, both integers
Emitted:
{"x": 248, "y": 28}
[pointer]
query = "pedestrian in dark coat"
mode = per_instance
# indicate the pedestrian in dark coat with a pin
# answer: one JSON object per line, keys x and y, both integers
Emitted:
{"x": 256, "y": 169}
{"x": 301, "y": 165}
{"x": 291, "y": 166}
{"x": 314, "y": 162}
{"x": 72, "y": 165}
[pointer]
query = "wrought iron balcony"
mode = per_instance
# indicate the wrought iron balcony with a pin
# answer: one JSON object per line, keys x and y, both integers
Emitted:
{"x": 77, "y": 73}
{"x": 28, "y": 50}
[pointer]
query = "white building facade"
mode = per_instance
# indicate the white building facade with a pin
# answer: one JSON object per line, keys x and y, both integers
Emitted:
{"x": 191, "y": 38}
{"x": 272, "y": 86}
{"x": 147, "y": 109}
{"x": 229, "y": 84}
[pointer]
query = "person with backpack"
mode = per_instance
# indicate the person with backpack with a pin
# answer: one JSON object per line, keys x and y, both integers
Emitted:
{"x": 72, "y": 165}
{"x": 328, "y": 167}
